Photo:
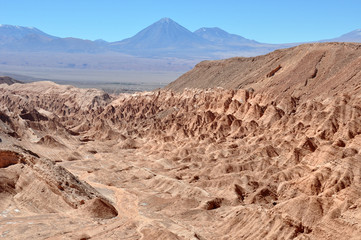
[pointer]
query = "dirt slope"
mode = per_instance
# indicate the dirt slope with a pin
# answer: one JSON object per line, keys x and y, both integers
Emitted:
{"x": 308, "y": 69}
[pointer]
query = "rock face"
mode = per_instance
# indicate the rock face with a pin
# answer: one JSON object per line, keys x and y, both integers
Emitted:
{"x": 214, "y": 163}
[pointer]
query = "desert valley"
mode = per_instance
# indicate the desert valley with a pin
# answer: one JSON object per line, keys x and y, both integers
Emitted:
{"x": 264, "y": 147}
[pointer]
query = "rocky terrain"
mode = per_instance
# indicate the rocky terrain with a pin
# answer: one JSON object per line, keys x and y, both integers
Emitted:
{"x": 274, "y": 154}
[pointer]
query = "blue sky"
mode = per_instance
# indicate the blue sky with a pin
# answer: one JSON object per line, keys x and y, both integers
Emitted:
{"x": 265, "y": 21}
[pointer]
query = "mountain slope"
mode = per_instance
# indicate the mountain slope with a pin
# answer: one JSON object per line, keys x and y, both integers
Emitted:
{"x": 301, "y": 70}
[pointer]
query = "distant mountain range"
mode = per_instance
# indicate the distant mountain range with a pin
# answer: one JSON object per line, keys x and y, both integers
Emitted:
{"x": 16, "y": 38}
{"x": 354, "y": 36}
{"x": 164, "y": 38}
{"x": 176, "y": 46}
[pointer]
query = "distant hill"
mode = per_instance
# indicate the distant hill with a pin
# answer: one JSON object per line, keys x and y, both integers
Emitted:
{"x": 219, "y": 36}
{"x": 9, "y": 33}
{"x": 8, "y": 80}
{"x": 354, "y": 36}
{"x": 17, "y": 38}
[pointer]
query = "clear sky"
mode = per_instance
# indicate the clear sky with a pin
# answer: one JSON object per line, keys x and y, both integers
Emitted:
{"x": 277, "y": 21}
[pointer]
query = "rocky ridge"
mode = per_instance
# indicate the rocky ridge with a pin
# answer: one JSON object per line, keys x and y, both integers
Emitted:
{"x": 306, "y": 70}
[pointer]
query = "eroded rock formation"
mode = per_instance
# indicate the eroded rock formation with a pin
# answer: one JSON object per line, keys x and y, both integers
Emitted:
{"x": 209, "y": 163}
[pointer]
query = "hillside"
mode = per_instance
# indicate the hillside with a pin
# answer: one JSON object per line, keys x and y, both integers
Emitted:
{"x": 309, "y": 69}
